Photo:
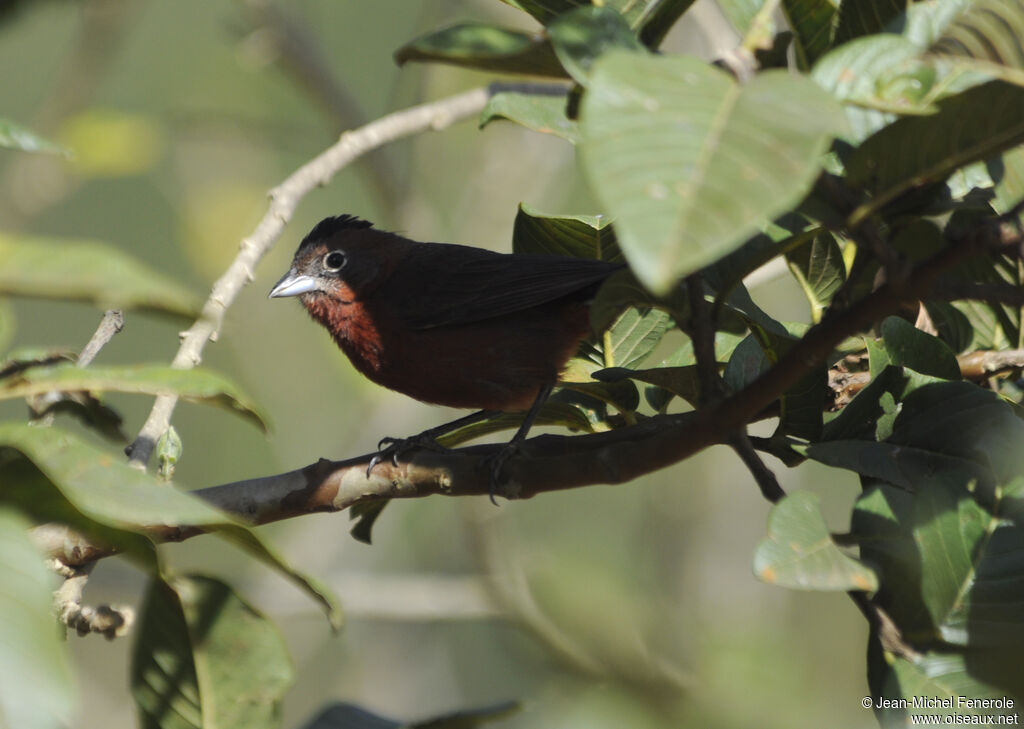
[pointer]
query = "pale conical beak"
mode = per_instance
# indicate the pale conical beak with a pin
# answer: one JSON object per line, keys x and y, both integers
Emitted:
{"x": 293, "y": 284}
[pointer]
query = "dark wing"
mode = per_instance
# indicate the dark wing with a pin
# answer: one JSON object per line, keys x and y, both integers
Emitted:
{"x": 458, "y": 284}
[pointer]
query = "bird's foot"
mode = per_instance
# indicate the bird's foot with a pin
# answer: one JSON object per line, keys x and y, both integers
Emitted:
{"x": 495, "y": 464}
{"x": 389, "y": 449}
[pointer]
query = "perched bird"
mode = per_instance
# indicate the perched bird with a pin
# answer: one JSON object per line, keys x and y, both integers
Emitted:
{"x": 446, "y": 324}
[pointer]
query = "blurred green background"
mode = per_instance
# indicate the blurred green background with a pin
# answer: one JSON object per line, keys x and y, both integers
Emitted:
{"x": 628, "y": 606}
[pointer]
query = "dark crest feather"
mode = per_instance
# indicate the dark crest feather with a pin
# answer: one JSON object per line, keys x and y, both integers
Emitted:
{"x": 329, "y": 226}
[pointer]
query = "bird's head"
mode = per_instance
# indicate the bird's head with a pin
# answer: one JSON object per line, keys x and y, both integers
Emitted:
{"x": 342, "y": 258}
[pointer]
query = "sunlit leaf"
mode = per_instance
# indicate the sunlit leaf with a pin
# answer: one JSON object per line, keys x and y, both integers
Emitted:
{"x": 690, "y": 163}
{"x": 799, "y": 552}
{"x": 819, "y": 269}
{"x": 987, "y": 36}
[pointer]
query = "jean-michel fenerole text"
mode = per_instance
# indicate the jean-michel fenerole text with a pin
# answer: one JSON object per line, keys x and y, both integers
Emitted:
{"x": 948, "y": 702}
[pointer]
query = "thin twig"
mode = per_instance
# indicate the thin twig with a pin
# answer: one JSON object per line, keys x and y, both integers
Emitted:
{"x": 112, "y": 323}
{"x": 283, "y": 200}
{"x": 763, "y": 475}
{"x": 110, "y": 622}
{"x": 702, "y": 334}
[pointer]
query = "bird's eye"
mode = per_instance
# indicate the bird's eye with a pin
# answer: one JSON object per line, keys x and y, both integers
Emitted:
{"x": 334, "y": 260}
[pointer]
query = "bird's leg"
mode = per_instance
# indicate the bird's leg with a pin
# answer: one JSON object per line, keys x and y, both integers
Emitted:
{"x": 498, "y": 459}
{"x": 427, "y": 439}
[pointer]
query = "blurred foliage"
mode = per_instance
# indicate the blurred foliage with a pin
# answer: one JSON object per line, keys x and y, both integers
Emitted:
{"x": 137, "y": 162}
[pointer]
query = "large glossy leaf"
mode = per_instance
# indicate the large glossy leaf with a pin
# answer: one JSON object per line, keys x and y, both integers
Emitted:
{"x": 690, "y": 163}
{"x": 89, "y": 271}
{"x": 15, "y": 136}
{"x": 35, "y": 678}
{"x": 196, "y": 384}
{"x": 106, "y": 490}
{"x": 811, "y": 21}
{"x": 203, "y": 657}
{"x": 583, "y": 35}
{"x": 543, "y": 113}
{"x": 917, "y": 151}
{"x": 799, "y": 552}
{"x": 484, "y": 47}
{"x": 583, "y": 236}
{"x": 987, "y": 36}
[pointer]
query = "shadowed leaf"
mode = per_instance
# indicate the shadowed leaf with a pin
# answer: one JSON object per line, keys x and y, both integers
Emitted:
{"x": 204, "y": 657}
{"x": 486, "y": 48}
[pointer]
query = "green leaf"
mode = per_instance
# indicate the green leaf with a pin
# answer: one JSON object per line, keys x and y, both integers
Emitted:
{"x": 106, "y": 490}
{"x": 584, "y": 34}
{"x": 692, "y": 164}
{"x": 203, "y": 657}
{"x": 859, "y": 73}
{"x": 987, "y": 37}
{"x": 910, "y": 347}
{"x": 196, "y": 384}
{"x": 544, "y": 113}
{"x": 547, "y": 10}
{"x": 935, "y": 675}
{"x": 799, "y": 552}
{"x": 15, "y": 136}
{"x": 918, "y": 151}
{"x": 36, "y": 690}
{"x": 87, "y": 271}
{"x": 350, "y": 716}
{"x": 681, "y": 381}
{"x": 633, "y": 336}
{"x": 819, "y": 269}
{"x": 486, "y": 48}
{"x": 812, "y": 22}
{"x": 582, "y": 236}
{"x": 926, "y": 21}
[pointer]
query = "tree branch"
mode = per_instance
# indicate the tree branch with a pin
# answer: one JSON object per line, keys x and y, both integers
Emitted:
{"x": 547, "y": 462}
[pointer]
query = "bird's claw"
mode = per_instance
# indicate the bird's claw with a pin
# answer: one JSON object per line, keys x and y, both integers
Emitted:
{"x": 494, "y": 464}
{"x": 389, "y": 448}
